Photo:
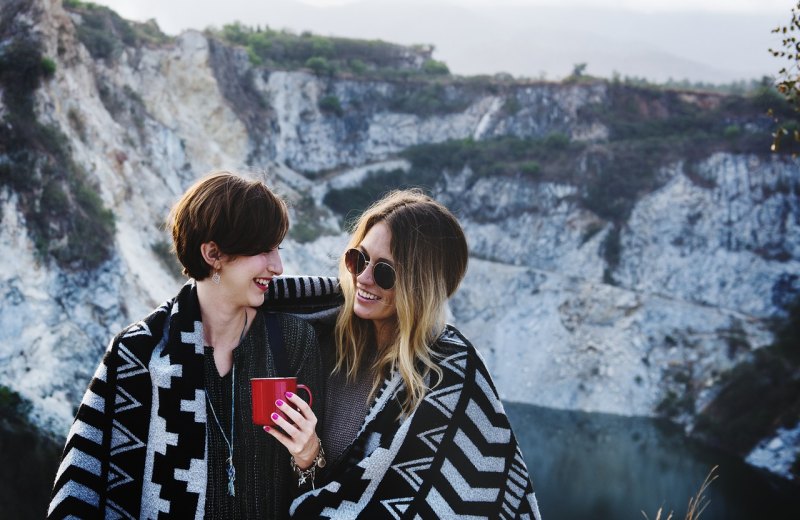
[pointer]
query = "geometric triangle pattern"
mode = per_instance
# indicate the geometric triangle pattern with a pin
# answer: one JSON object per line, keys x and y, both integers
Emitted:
{"x": 131, "y": 366}
{"x": 433, "y": 437}
{"x": 137, "y": 329}
{"x": 125, "y": 401}
{"x": 117, "y": 477}
{"x": 456, "y": 363}
{"x": 123, "y": 440}
{"x": 454, "y": 456}
{"x": 115, "y": 512}
{"x": 445, "y": 399}
{"x": 397, "y": 506}
{"x": 411, "y": 470}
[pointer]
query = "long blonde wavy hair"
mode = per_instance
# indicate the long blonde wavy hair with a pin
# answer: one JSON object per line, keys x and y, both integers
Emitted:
{"x": 430, "y": 255}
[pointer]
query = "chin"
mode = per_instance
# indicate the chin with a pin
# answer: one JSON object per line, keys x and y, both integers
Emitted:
{"x": 361, "y": 313}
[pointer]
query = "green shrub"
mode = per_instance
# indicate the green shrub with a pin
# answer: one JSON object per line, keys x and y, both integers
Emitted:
{"x": 104, "y": 33}
{"x": 21, "y": 71}
{"x": 11, "y": 403}
{"x": 357, "y": 66}
{"x": 557, "y": 141}
{"x": 320, "y": 66}
{"x": 283, "y": 49}
{"x": 511, "y": 105}
{"x": 435, "y": 68}
{"x": 304, "y": 231}
{"x": 331, "y": 105}
{"x": 426, "y": 100}
{"x": 63, "y": 213}
{"x": 352, "y": 201}
{"x": 758, "y": 395}
{"x": 732, "y": 131}
{"x": 530, "y": 168}
{"x": 48, "y": 67}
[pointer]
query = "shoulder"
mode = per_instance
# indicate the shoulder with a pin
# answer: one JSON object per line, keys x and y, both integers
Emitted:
{"x": 453, "y": 350}
{"x": 451, "y": 341}
{"x": 292, "y": 321}
{"x": 292, "y": 327}
{"x": 145, "y": 334}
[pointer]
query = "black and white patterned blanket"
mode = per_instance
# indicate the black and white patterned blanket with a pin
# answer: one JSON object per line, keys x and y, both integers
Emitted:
{"x": 137, "y": 446}
{"x": 455, "y": 456}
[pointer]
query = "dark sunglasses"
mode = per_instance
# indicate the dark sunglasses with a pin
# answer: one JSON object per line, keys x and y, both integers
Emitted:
{"x": 383, "y": 273}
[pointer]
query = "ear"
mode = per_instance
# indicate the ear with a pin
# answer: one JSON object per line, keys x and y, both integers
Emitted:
{"x": 211, "y": 253}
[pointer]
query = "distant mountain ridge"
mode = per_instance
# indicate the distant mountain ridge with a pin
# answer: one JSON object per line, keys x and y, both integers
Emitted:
{"x": 529, "y": 41}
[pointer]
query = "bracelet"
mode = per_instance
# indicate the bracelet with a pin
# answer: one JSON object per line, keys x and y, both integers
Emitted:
{"x": 304, "y": 474}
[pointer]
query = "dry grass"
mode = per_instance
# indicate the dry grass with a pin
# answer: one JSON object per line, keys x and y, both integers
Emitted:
{"x": 697, "y": 503}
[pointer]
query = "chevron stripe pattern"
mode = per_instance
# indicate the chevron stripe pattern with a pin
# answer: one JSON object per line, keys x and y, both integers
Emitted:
{"x": 455, "y": 456}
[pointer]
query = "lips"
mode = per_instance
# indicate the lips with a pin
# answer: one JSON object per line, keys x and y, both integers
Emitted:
{"x": 262, "y": 283}
{"x": 367, "y": 295}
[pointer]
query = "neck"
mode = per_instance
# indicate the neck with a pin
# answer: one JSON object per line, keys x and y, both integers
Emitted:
{"x": 223, "y": 322}
{"x": 384, "y": 333}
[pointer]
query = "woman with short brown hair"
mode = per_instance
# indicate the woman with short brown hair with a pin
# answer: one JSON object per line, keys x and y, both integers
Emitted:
{"x": 165, "y": 427}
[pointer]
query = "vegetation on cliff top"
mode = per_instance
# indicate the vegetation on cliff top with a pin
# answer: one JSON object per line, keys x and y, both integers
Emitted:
{"x": 330, "y": 56}
{"x": 104, "y": 33}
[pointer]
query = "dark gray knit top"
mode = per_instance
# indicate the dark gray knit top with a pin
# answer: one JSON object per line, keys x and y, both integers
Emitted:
{"x": 264, "y": 482}
{"x": 346, "y": 403}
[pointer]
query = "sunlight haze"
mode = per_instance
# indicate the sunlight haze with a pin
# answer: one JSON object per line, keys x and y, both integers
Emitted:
{"x": 712, "y": 41}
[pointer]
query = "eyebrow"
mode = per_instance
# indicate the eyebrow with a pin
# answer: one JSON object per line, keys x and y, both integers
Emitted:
{"x": 369, "y": 258}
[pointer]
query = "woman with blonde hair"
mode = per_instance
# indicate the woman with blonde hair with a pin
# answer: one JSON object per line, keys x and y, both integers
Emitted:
{"x": 165, "y": 427}
{"x": 414, "y": 426}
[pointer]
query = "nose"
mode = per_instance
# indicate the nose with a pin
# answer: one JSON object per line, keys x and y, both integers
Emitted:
{"x": 366, "y": 278}
{"x": 274, "y": 263}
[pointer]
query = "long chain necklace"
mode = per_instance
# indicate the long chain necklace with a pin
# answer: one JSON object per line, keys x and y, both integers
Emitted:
{"x": 231, "y": 470}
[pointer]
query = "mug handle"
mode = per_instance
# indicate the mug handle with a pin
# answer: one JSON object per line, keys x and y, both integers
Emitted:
{"x": 308, "y": 391}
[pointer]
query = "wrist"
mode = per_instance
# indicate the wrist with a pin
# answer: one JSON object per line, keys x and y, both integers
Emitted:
{"x": 308, "y": 473}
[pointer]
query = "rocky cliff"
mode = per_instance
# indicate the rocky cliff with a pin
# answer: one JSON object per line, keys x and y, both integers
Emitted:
{"x": 630, "y": 246}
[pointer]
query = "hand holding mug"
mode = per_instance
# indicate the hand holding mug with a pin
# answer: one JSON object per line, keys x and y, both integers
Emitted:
{"x": 277, "y": 405}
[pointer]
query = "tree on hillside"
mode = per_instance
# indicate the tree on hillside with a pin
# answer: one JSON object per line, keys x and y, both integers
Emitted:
{"x": 789, "y": 76}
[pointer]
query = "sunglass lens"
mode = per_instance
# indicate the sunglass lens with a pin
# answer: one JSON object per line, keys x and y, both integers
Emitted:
{"x": 384, "y": 275}
{"x": 355, "y": 261}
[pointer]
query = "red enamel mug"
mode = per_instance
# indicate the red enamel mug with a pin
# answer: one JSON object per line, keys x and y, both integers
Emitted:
{"x": 267, "y": 390}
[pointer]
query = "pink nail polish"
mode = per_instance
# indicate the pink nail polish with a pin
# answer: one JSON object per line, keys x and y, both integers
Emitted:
{"x": 289, "y": 395}
{"x": 279, "y": 402}
{"x": 267, "y": 428}
{"x": 275, "y": 417}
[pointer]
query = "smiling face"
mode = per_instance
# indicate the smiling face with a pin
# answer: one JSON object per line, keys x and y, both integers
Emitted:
{"x": 371, "y": 301}
{"x": 244, "y": 280}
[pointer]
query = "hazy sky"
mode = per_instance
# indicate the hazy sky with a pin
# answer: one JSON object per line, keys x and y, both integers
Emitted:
{"x": 701, "y": 40}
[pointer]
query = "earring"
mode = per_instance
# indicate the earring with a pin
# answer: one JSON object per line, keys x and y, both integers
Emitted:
{"x": 215, "y": 277}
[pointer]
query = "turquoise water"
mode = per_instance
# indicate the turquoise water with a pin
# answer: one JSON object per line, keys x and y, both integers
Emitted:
{"x": 598, "y": 466}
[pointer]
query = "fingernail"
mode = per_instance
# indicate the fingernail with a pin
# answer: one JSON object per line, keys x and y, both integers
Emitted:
{"x": 279, "y": 402}
{"x": 289, "y": 395}
{"x": 266, "y": 428}
{"x": 275, "y": 417}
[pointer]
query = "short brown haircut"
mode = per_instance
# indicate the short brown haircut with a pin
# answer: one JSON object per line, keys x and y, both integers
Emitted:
{"x": 242, "y": 216}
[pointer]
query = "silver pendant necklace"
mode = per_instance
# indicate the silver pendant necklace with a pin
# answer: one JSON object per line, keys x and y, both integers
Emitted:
{"x": 231, "y": 470}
